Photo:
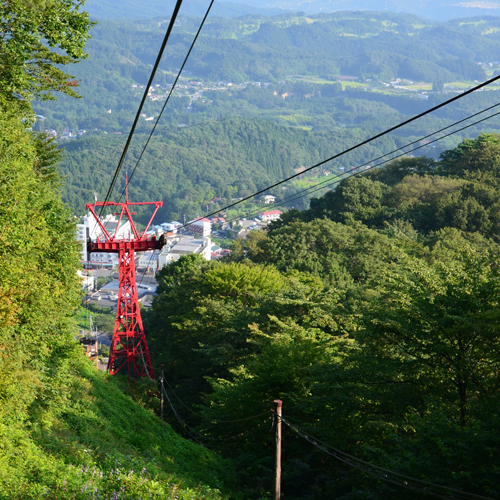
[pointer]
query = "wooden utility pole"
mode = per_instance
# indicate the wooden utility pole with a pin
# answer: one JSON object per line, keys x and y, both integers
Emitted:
{"x": 161, "y": 392}
{"x": 278, "y": 406}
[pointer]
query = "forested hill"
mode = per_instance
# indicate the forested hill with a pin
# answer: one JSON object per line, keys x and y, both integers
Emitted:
{"x": 301, "y": 88}
{"x": 364, "y": 45}
{"x": 373, "y": 316}
{"x": 422, "y": 195}
{"x": 187, "y": 167}
{"x": 258, "y": 47}
{"x": 435, "y": 9}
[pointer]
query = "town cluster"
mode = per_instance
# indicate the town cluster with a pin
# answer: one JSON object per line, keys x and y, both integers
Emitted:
{"x": 193, "y": 237}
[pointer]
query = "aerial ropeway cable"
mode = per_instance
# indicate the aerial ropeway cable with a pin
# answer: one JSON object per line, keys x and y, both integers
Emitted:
{"x": 143, "y": 100}
{"x": 129, "y": 349}
{"x": 356, "y": 146}
{"x": 359, "y": 168}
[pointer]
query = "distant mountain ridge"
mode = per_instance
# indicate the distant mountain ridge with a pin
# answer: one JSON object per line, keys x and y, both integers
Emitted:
{"x": 442, "y": 10}
{"x": 133, "y": 9}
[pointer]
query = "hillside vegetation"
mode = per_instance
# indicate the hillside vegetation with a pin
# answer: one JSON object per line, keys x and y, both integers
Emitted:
{"x": 187, "y": 167}
{"x": 66, "y": 430}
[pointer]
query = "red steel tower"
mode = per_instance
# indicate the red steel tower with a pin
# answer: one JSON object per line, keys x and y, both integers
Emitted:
{"x": 128, "y": 346}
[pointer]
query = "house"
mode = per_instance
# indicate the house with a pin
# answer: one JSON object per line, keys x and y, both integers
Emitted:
{"x": 270, "y": 215}
{"x": 147, "y": 261}
{"x": 88, "y": 282}
{"x": 91, "y": 349}
{"x": 169, "y": 226}
{"x": 218, "y": 220}
{"x": 268, "y": 198}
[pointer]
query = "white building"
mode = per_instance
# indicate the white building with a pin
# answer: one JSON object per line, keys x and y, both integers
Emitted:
{"x": 90, "y": 229}
{"x": 170, "y": 227}
{"x": 185, "y": 246}
{"x": 147, "y": 260}
{"x": 200, "y": 227}
{"x": 270, "y": 215}
{"x": 268, "y": 198}
{"x": 88, "y": 282}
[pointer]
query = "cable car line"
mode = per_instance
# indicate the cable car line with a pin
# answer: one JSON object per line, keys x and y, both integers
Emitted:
{"x": 143, "y": 100}
{"x": 362, "y": 143}
{"x": 169, "y": 94}
{"x": 355, "y": 170}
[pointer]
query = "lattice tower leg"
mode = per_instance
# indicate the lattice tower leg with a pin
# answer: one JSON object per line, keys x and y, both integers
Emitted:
{"x": 129, "y": 346}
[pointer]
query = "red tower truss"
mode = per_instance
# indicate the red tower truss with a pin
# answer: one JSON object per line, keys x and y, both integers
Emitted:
{"x": 128, "y": 345}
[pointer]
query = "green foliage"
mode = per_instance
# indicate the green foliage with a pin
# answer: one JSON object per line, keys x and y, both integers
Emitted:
{"x": 48, "y": 155}
{"x": 105, "y": 322}
{"x": 96, "y": 440}
{"x": 187, "y": 167}
{"x": 36, "y": 38}
{"x": 459, "y": 190}
{"x": 39, "y": 257}
{"x": 66, "y": 430}
{"x": 441, "y": 317}
{"x": 381, "y": 341}
{"x": 339, "y": 254}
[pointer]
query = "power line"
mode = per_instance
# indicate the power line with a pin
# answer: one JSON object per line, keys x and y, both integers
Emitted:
{"x": 144, "y": 97}
{"x": 355, "y": 170}
{"x": 386, "y": 474}
{"x": 190, "y": 431}
{"x": 170, "y": 93}
{"x": 362, "y": 143}
{"x": 177, "y": 416}
{"x": 217, "y": 421}
{"x": 410, "y": 144}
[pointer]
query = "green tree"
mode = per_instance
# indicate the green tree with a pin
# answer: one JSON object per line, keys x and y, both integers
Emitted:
{"x": 39, "y": 257}
{"x": 438, "y": 86}
{"x": 339, "y": 254}
{"x": 36, "y": 38}
{"x": 48, "y": 155}
{"x": 440, "y": 321}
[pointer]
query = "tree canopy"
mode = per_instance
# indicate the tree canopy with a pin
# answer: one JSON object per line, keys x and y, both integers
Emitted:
{"x": 36, "y": 38}
{"x": 373, "y": 316}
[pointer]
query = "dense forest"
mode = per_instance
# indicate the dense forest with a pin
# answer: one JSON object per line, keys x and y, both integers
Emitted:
{"x": 186, "y": 168}
{"x": 373, "y": 315}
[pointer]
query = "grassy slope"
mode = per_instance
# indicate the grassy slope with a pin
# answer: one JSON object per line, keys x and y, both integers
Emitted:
{"x": 101, "y": 444}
